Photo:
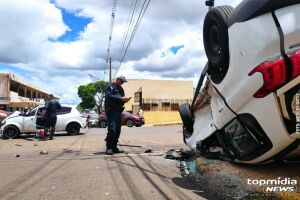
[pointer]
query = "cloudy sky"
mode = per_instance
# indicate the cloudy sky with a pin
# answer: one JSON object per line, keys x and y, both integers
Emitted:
{"x": 57, "y": 43}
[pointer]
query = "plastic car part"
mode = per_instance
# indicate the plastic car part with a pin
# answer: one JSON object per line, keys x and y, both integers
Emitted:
{"x": 274, "y": 73}
{"x": 295, "y": 59}
{"x": 215, "y": 38}
{"x": 210, "y": 3}
{"x": 245, "y": 138}
{"x": 249, "y": 9}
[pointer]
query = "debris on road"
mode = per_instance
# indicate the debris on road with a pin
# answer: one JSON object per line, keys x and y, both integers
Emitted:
{"x": 173, "y": 154}
{"x": 148, "y": 151}
{"x": 180, "y": 154}
{"x": 18, "y": 145}
{"x": 43, "y": 152}
{"x": 107, "y": 193}
{"x": 17, "y": 155}
{"x": 35, "y": 144}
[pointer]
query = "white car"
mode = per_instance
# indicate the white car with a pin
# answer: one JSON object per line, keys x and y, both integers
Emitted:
{"x": 249, "y": 109}
{"x": 68, "y": 119}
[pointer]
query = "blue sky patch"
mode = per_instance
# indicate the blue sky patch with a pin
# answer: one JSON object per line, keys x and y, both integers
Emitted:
{"x": 75, "y": 23}
{"x": 27, "y": 74}
{"x": 175, "y": 49}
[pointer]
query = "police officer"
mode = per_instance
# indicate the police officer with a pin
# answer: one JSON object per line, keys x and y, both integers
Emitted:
{"x": 51, "y": 106}
{"x": 114, "y": 106}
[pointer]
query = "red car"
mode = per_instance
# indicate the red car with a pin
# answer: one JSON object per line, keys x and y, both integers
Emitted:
{"x": 127, "y": 119}
{"x": 3, "y": 114}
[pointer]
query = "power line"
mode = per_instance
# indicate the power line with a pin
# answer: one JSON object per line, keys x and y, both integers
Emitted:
{"x": 138, "y": 21}
{"x": 128, "y": 25}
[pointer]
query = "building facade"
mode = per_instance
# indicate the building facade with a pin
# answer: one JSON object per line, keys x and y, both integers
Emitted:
{"x": 16, "y": 93}
{"x": 158, "y": 95}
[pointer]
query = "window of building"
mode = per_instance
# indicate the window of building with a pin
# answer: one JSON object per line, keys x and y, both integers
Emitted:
{"x": 146, "y": 106}
{"x": 174, "y": 106}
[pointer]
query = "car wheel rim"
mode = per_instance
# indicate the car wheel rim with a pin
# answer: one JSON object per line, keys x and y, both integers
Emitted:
{"x": 129, "y": 123}
{"x": 103, "y": 124}
{"x": 215, "y": 39}
{"x": 11, "y": 132}
{"x": 74, "y": 130}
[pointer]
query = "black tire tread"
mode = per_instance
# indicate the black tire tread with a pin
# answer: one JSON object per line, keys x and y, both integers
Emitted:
{"x": 218, "y": 63}
{"x": 186, "y": 117}
{"x": 10, "y": 126}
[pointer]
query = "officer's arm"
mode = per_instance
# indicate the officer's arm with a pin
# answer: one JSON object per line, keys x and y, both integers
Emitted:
{"x": 47, "y": 105}
{"x": 58, "y": 105}
{"x": 109, "y": 94}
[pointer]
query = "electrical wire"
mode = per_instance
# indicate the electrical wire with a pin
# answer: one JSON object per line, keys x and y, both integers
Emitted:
{"x": 137, "y": 24}
{"x": 128, "y": 25}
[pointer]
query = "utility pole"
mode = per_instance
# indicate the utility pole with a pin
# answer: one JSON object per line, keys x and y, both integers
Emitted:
{"x": 110, "y": 70}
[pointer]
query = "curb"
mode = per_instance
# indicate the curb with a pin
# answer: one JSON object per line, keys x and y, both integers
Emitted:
{"x": 168, "y": 124}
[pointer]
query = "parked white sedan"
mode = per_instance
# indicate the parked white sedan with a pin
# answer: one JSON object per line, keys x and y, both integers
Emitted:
{"x": 68, "y": 119}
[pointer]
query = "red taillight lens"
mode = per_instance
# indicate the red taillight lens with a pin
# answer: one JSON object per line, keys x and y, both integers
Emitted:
{"x": 295, "y": 58}
{"x": 274, "y": 74}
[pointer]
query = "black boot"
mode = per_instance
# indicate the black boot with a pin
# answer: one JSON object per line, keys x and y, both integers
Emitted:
{"x": 109, "y": 152}
{"x": 117, "y": 150}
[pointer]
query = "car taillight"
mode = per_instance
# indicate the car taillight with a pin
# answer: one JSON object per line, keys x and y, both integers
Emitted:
{"x": 274, "y": 75}
{"x": 295, "y": 59}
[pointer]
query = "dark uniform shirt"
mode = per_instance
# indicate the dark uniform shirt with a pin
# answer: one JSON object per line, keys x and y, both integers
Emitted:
{"x": 113, "y": 97}
{"x": 51, "y": 107}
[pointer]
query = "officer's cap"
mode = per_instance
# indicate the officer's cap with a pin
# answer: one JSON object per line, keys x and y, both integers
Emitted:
{"x": 122, "y": 78}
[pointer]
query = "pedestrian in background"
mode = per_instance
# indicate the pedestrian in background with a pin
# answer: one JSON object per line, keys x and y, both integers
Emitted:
{"x": 114, "y": 106}
{"x": 140, "y": 113}
{"x": 51, "y": 106}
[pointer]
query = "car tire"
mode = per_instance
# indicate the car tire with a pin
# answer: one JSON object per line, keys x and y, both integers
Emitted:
{"x": 73, "y": 129}
{"x": 11, "y": 132}
{"x": 102, "y": 124}
{"x": 215, "y": 38}
{"x": 187, "y": 118}
{"x": 129, "y": 123}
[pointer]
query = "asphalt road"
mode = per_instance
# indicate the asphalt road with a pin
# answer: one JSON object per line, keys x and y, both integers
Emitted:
{"x": 76, "y": 167}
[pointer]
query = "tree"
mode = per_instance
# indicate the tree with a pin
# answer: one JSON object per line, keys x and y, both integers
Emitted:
{"x": 92, "y": 95}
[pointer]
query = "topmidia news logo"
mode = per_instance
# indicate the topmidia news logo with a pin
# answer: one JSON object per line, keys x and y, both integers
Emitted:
{"x": 275, "y": 185}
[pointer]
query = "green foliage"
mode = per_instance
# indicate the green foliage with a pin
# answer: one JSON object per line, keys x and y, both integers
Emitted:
{"x": 87, "y": 93}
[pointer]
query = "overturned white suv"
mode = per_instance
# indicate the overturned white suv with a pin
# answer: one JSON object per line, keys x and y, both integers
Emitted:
{"x": 68, "y": 119}
{"x": 249, "y": 108}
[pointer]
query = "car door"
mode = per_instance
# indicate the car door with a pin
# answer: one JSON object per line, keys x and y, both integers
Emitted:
{"x": 29, "y": 121}
{"x": 63, "y": 117}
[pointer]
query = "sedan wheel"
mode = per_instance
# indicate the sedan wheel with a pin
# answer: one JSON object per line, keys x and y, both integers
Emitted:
{"x": 129, "y": 123}
{"x": 11, "y": 132}
{"x": 73, "y": 129}
{"x": 102, "y": 124}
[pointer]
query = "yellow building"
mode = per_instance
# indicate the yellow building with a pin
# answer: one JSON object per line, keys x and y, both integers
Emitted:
{"x": 158, "y": 95}
{"x": 16, "y": 93}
